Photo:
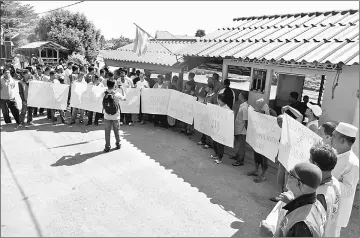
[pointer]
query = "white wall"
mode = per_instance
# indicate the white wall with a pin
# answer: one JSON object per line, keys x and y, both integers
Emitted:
{"x": 342, "y": 107}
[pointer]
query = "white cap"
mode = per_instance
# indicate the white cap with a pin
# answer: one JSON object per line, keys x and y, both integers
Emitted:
{"x": 347, "y": 129}
{"x": 315, "y": 109}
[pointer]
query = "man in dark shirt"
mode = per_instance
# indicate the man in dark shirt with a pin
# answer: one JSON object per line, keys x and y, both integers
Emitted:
{"x": 228, "y": 93}
{"x": 137, "y": 77}
{"x": 296, "y": 105}
{"x": 304, "y": 213}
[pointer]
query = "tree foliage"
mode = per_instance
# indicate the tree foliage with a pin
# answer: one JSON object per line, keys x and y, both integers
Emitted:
{"x": 71, "y": 30}
{"x": 19, "y": 20}
{"x": 115, "y": 43}
{"x": 200, "y": 33}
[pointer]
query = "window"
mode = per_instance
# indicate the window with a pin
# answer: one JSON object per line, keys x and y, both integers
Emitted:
{"x": 258, "y": 80}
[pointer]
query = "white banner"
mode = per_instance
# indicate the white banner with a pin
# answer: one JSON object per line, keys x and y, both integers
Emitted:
{"x": 48, "y": 95}
{"x": 181, "y": 107}
{"x": 201, "y": 118}
{"x": 222, "y": 125}
{"x": 87, "y": 97}
{"x": 132, "y": 103}
{"x": 296, "y": 141}
{"x": 263, "y": 134}
{"x": 155, "y": 101}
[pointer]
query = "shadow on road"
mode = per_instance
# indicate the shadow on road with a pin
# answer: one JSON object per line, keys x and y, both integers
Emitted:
{"x": 78, "y": 158}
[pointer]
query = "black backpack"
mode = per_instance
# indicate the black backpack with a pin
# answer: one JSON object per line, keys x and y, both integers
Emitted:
{"x": 110, "y": 106}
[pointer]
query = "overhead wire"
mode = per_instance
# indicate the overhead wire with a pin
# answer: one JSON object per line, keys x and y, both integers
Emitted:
{"x": 57, "y": 8}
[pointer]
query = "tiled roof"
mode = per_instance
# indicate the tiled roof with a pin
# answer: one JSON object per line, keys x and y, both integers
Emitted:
{"x": 155, "y": 54}
{"x": 315, "y": 38}
{"x": 38, "y": 44}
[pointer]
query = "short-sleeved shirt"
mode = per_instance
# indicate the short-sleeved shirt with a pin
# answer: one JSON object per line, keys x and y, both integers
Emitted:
{"x": 118, "y": 97}
{"x": 240, "y": 119}
{"x": 141, "y": 84}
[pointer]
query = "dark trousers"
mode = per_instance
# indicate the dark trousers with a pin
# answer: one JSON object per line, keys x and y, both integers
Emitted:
{"x": 240, "y": 150}
{"x": 12, "y": 105}
{"x": 25, "y": 109}
{"x": 115, "y": 125}
{"x": 219, "y": 149}
{"x": 61, "y": 113}
{"x": 48, "y": 113}
{"x": 90, "y": 117}
{"x": 126, "y": 118}
{"x": 161, "y": 119}
{"x": 261, "y": 160}
{"x": 35, "y": 110}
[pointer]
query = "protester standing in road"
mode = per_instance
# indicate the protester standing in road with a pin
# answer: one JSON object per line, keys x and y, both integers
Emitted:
{"x": 7, "y": 85}
{"x": 141, "y": 84}
{"x": 160, "y": 119}
{"x": 98, "y": 83}
{"x": 111, "y": 105}
{"x": 346, "y": 170}
{"x": 228, "y": 93}
{"x": 241, "y": 123}
{"x": 125, "y": 83}
{"x": 305, "y": 216}
{"x": 60, "y": 79}
{"x": 23, "y": 92}
{"x": 328, "y": 193}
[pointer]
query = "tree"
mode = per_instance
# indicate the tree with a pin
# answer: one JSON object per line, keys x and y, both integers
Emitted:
{"x": 71, "y": 30}
{"x": 18, "y": 21}
{"x": 115, "y": 43}
{"x": 200, "y": 33}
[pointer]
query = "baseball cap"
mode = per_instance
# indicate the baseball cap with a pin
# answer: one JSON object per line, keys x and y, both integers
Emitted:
{"x": 309, "y": 174}
{"x": 315, "y": 109}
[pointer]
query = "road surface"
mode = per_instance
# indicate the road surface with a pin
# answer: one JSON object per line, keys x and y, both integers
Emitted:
{"x": 56, "y": 181}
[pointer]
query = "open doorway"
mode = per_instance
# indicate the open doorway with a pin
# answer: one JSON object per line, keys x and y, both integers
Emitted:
{"x": 305, "y": 85}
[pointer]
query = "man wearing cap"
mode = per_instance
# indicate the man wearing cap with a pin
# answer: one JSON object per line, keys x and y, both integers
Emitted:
{"x": 346, "y": 170}
{"x": 329, "y": 191}
{"x": 305, "y": 216}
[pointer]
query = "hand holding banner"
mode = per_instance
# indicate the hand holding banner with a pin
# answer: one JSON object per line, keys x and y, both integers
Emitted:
{"x": 181, "y": 107}
{"x": 86, "y": 96}
{"x": 47, "y": 95}
{"x": 132, "y": 103}
{"x": 155, "y": 101}
{"x": 263, "y": 134}
{"x": 222, "y": 125}
{"x": 296, "y": 141}
{"x": 201, "y": 118}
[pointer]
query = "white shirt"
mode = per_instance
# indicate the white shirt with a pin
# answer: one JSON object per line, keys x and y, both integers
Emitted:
{"x": 332, "y": 193}
{"x": 143, "y": 84}
{"x": 67, "y": 73}
{"x": 128, "y": 83}
{"x": 118, "y": 97}
{"x": 347, "y": 172}
{"x": 240, "y": 119}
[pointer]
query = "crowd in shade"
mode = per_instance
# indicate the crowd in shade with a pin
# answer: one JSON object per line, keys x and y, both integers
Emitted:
{"x": 317, "y": 197}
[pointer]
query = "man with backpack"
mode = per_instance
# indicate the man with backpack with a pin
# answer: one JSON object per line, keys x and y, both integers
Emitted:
{"x": 111, "y": 108}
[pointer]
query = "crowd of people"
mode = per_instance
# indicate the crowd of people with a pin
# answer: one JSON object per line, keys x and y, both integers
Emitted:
{"x": 318, "y": 195}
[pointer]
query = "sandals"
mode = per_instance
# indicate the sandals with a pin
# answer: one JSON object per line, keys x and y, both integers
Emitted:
{"x": 252, "y": 174}
{"x": 237, "y": 164}
{"x": 206, "y": 147}
{"x": 259, "y": 179}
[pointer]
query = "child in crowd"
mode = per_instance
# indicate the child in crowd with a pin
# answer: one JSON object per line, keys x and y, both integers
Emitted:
{"x": 210, "y": 97}
{"x": 187, "y": 128}
{"x": 219, "y": 148}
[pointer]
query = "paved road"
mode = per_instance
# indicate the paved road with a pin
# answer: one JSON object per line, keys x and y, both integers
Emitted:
{"x": 55, "y": 181}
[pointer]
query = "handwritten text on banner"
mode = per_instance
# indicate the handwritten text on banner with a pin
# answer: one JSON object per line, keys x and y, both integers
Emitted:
{"x": 155, "y": 101}
{"x": 181, "y": 107}
{"x": 86, "y": 96}
{"x": 222, "y": 125}
{"x": 263, "y": 134}
{"x": 48, "y": 95}
{"x": 296, "y": 141}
